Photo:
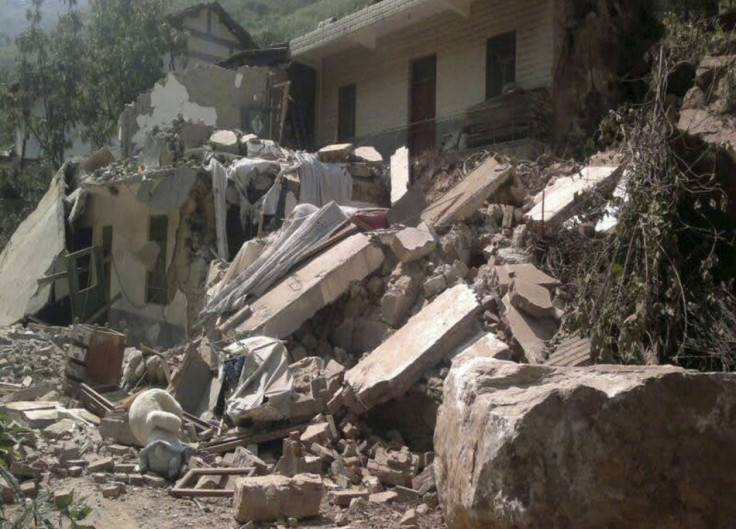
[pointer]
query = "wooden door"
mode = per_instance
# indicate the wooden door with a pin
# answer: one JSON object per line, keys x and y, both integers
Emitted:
{"x": 423, "y": 105}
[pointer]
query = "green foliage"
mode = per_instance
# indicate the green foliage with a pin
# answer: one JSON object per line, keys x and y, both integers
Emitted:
{"x": 125, "y": 42}
{"x": 48, "y": 72}
{"x": 689, "y": 9}
{"x": 690, "y": 40}
{"x": 41, "y": 512}
{"x": 660, "y": 289}
{"x": 729, "y": 92}
{"x": 277, "y": 21}
{"x": 82, "y": 73}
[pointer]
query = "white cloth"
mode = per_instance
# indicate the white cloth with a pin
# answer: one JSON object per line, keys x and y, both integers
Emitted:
{"x": 263, "y": 392}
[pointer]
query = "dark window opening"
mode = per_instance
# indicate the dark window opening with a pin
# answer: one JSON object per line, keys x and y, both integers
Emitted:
{"x": 81, "y": 240}
{"x": 500, "y": 63}
{"x": 107, "y": 257}
{"x": 156, "y": 289}
{"x": 346, "y": 104}
{"x": 423, "y": 105}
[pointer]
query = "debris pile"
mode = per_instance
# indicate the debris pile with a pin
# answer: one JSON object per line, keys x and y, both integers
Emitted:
{"x": 324, "y": 341}
{"x": 320, "y": 326}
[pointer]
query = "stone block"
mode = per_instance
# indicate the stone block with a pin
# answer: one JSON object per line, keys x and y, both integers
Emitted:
{"x": 531, "y": 299}
{"x": 338, "y": 153}
{"x": 412, "y": 244}
{"x": 398, "y": 363}
{"x": 270, "y": 498}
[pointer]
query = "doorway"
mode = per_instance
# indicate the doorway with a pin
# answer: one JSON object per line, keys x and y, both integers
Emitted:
{"x": 423, "y": 103}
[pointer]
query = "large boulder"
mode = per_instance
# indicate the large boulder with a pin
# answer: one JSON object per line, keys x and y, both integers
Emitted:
{"x": 606, "y": 446}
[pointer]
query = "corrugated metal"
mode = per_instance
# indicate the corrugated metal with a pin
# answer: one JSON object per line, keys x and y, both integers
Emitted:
{"x": 572, "y": 351}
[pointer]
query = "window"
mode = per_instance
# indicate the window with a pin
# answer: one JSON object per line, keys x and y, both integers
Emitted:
{"x": 156, "y": 289}
{"x": 346, "y": 113}
{"x": 500, "y": 63}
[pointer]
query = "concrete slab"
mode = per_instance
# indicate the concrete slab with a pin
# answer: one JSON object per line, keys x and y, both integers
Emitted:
{"x": 368, "y": 155}
{"x": 486, "y": 346}
{"x": 411, "y": 244}
{"x": 505, "y": 275}
{"x": 392, "y": 368}
{"x": 399, "y": 174}
{"x": 556, "y": 203}
{"x": 298, "y": 297}
{"x": 532, "y": 299}
{"x": 469, "y": 195}
{"x": 30, "y": 254}
{"x": 532, "y": 334}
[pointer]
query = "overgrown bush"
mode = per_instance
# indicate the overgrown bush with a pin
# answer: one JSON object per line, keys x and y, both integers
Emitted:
{"x": 660, "y": 288}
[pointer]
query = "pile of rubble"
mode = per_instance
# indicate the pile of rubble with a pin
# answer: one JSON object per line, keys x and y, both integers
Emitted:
{"x": 325, "y": 341}
{"x": 44, "y": 344}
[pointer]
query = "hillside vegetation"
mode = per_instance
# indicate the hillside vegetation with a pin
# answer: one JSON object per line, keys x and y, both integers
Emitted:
{"x": 273, "y": 21}
{"x": 269, "y": 21}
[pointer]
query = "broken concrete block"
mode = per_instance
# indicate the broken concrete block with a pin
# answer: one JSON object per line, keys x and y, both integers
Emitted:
{"x": 106, "y": 464}
{"x": 319, "y": 433}
{"x": 225, "y": 141}
{"x": 399, "y": 174}
{"x": 532, "y": 334}
{"x": 368, "y": 155}
{"x": 531, "y": 299}
{"x": 342, "y": 498}
{"x": 335, "y": 153}
{"x": 487, "y": 345}
{"x": 157, "y": 482}
{"x": 111, "y": 491}
{"x": 409, "y": 519}
{"x": 504, "y": 275}
{"x": 469, "y": 195}
{"x": 398, "y": 300}
{"x": 63, "y": 497}
{"x": 117, "y": 430}
{"x": 244, "y": 458}
{"x": 434, "y": 285}
{"x": 556, "y": 203}
{"x": 270, "y": 498}
{"x": 402, "y": 359}
{"x": 388, "y": 496}
{"x": 298, "y": 297}
{"x": 411, "y": 244}
{"x": 97, "y": 160}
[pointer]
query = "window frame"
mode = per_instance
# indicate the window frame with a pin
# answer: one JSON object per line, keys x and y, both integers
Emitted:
{"x": 505, "y": 46}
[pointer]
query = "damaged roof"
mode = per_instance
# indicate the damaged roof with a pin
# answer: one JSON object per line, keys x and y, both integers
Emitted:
{"x": 236, "y": 29}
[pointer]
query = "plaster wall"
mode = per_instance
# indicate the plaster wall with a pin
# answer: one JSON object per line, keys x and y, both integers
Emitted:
{"x": 382, "y": 76}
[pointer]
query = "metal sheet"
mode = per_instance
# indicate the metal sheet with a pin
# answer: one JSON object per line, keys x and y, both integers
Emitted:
{"x": 30, "y": 255}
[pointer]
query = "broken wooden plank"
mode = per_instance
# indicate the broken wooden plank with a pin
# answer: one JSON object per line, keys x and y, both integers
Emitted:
{"x": 225, "y": 445}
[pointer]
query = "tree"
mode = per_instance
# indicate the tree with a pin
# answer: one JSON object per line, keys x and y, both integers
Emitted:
{"x": 44, "y": 97}
{"x": 126, "y": 41}
{"x": 83, "y": 74}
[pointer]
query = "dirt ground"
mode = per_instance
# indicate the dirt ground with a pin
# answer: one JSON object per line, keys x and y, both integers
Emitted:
{"x": 149, "y": 508}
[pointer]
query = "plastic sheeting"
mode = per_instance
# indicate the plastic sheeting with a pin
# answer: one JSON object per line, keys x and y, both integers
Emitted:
{"x": 263, "y": 392}
{"x": 303, "y": 231}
